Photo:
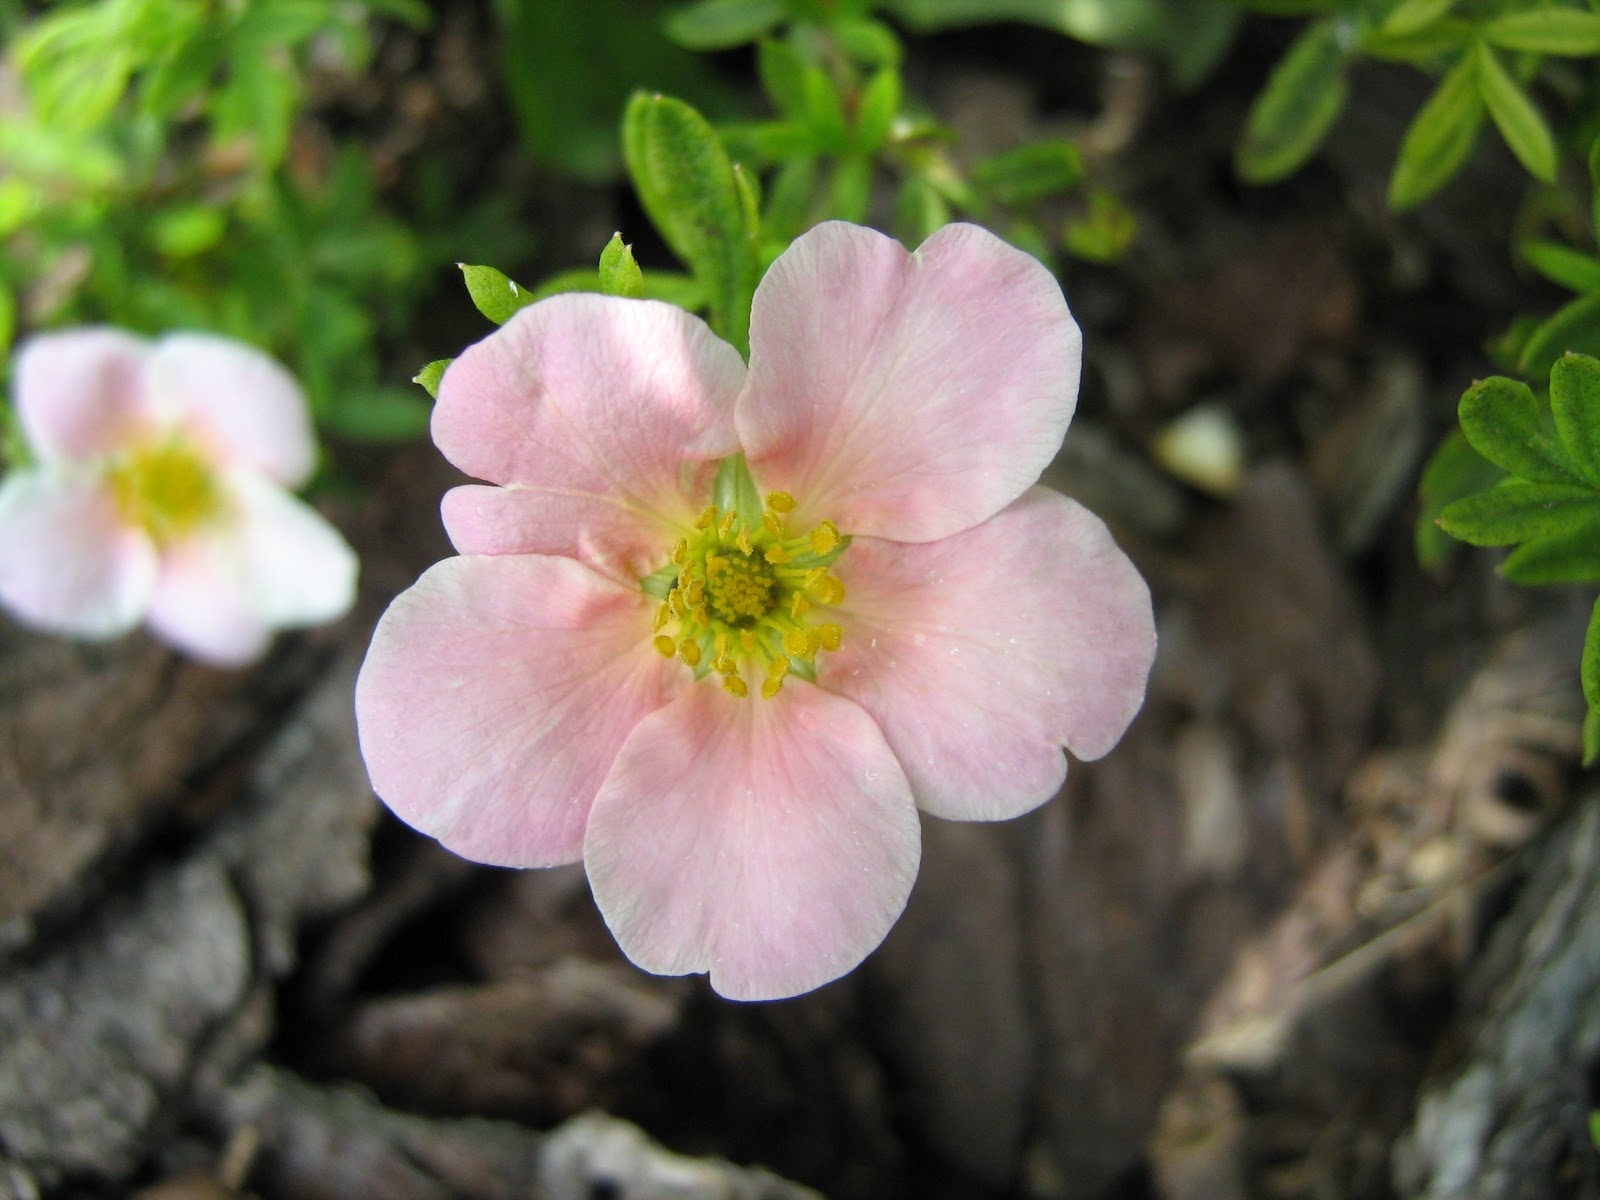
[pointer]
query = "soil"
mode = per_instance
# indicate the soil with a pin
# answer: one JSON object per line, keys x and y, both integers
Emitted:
{"x": 1325, "y": 924}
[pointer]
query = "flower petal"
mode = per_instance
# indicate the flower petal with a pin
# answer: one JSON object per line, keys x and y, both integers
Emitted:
{"x": 81, "y": 393}
{"x": 604, "y": 416}
{"x": 297, "y": 568}
{"x": 769, "y": 842}
{"x": 238, "y": 401}
{"x": 494, "y": 698}
{"x": 202, "y": 607}
{"x": 68, "y": 561}
{"x": 983, "y": 654}
{"x": 906, "y": 396}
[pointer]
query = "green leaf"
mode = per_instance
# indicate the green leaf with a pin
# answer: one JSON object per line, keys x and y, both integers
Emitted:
{"x": 1562, "y": 265}
{"x": 868, "y": 41}
{"x": 494, "y": 293}
{"x": 1573, "y": 327}
{"x": 1591, "y": 751}
{"x": 1594, "y": 186}
{"x": 1575, "y": 403}
{"x": 789, "y": 198}
{"x": 1031, "y": 173}
{"x": 428, "y": 378}
{"x": 619, "y": 271}
{"x": 386, "y": 415}
{"x": 1571, "y": 557}
{"x": 1501, "y": 419}
{"x": 875, "y": 114}
{"x": 1590, "y": 668}
{"x": 1104, "y": 233}
{"x": 722, "y": 24}
{"x": 1440, "y": 137}
{"x": 919, "y": 210}
{"x": 1303, "y": 98}
{"x": 1562, "y": 31}
{"x": 1520, "y": 122}
{"x": 8, "y": 317}
{"x": 783, "y": 77}
{"x": 687, "y": 186}
{"x": 1442, "y": 39}
{"x": 1412, "y": 15}
{"x": 1454, "y": 470}
{"x": 1519, "y": 510}
{"x": 850, "y": 191}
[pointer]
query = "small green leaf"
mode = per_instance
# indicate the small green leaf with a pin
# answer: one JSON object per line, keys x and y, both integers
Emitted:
{"x": 494, "y": 293}
{"x": 1571, "y": 557}
{"x": 619, "y": 271}
{"x": 1455, "y": 470}
{"x": 1302, "y": 99}
{"x": 8, "y": 317}
{"x": 783, "y": 77}
{"x": 1501, "y": 419}
{"x": 1574, "y": 326}
{"x": 1594, "y": 187}
{"x": 1411, "y": 15}
{"x": 867, "y": 41}
{"x": 1104, "y": 233}
{"x": 722, "y": 24}
{"x": 875, "y": 114}
{"x": 1590, "y": 668}
{"x": 1575, "y": 403}
{"x": 1440, "y": 137}
{"x": 1562, "y": 265}
{"x": 789, "y": 198}
{"x": 1443, "y": 39}
{"x": 687, "y": 185}
{"x": 1546, "y": 31}
{"x": 851, "y": 189}
{"x": 919, "y": 210}
{"x": 387, "y": 415}
{"x": 1591, "y": 751}
{"x": 428, "y": 378}
{"x": 1031, "y": 173}
{"x": 1518, "y": 510}
{"x": 1520, "y": 122}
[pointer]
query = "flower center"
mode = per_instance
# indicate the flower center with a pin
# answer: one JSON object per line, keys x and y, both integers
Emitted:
{"x": 741, "y": 592}
{"x": 165, "y": 488}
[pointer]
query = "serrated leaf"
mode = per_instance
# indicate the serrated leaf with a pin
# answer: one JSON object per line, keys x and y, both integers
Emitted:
{"x": 1031, "y": 173}
{"x": 1411, "y": 15}
{"x": 686, "y": 184}
{"x": 1302, "y": 99}
{"x": 428, "y": 378}
{"x": 1589, "y": 670}
{"x": 1563, "y": 31}
{"x": 1454, "y": 470}
{"x": 619, "y": 271}
{"x": 1562, "y": 265}
{"x": 723, "y": 24}
{"x": 1572, "y": 557}
{"x": 1439, "y": 138}
{"x": 1573, "y": 327}
{"x": 1519, "y": 121}
{"x": 495, "y": 294}
{"x": 1501, "y": 419}
{"x": 1520, "y": 510}
{"x": 1575, "y": 403}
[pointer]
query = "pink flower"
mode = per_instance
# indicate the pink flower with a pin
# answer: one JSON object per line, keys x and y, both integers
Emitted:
{"x": 728, "y": 688}
{"x": 157, "y": 494}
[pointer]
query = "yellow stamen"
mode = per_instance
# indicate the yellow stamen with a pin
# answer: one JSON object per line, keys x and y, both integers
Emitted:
{"x": 663, "y": 615}
{"x": 743, "y": 541}
{"x": 770, "y": 522}
{"x": 747, "y": 640}
{"x": 771, "y": 687}
{"x": 726, "y": 666}
{"x": 824, "y": 537}
{"x": 707, "y": 518}
{"x": 780, "y": 502}
{"x": 735, "y": 686}
{"x": 680, "y": 551}
{"x": 777, "y": 668}
{"x": 776, "y": 554}
{"x": 664, "y": 644}
{"x": 831, "y": 635}
{"x": 796, "y": 644}
{"x": 799, "y": 606}
{"x": 715, "y": 565}
{"x": 725, "y": 527}
{"x": 689, "y": 652}
{"x": 828, "y": 590}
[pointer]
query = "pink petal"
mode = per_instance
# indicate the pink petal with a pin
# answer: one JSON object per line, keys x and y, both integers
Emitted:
{"x": 769, "y": 842}
{"x": 495, "y": 696}
{"x": 604, "y": 416}
{"x": 82, "y": 393}
{"x": 238, "y": 401}
{"x": 983, "y": 654}
{"x": 68, "y": 561}
{"x": 906, "y": 396}
{"x": 202, "y": 607}
{"x": 296, "y": 567}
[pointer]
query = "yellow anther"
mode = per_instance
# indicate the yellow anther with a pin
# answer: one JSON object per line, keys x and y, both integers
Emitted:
{"x": 747, "y": 639}
{"x": 776, "y": 554}
{"x": 676, "y": 603}
{"x": 771, "y": 686}
{"x": 689, "y": 652}
{"x": 743, "y": 541}
{"x": 735, "y": 686}
{"x": 700, "y": 614}
{"x": 726, "y": 666}
{"x": 799, "y": 606}
{"x": 824, "y": 538}
{"x": 707, "y": 517}
{"x": 725, "y": 526}
{"x": 815, "y": 576}
{"x": 828, "y": 590}
{"x": 724, "y": 643}
{"x": 777, "y": 668}
{"x": 831, "y": 635}
{"x": 796, "y": 644}
{"x": 780, "y": 502}
{"x": 715, "y": 565}
{"x": 696, "y": 593}
{"x": 770, "y": 522}
{"x": 664, "y": 644}
{"x": 680, "y": 551}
